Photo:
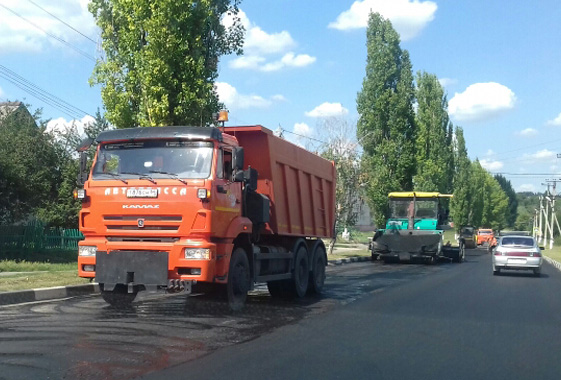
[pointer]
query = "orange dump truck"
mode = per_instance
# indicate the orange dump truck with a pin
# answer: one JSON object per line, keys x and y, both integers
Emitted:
{"x": 169, "y": 207}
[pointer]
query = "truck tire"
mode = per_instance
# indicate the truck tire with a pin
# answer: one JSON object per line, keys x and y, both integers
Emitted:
{"x": 301, "y": 275}
{"x": 119, "y": 297}
{"x": 238, "y": 280}
{"x": 317, "y": 275}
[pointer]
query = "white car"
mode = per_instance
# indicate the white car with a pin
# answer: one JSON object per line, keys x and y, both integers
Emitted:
{"x": 518, "y": 253}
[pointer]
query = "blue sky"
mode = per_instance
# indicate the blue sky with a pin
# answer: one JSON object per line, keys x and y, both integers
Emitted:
{"x": 304, "y": 61}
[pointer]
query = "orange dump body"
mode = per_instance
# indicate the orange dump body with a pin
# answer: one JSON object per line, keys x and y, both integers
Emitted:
{"x": 299, "y": 184}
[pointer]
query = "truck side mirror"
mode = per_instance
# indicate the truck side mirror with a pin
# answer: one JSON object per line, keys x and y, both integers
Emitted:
{"x": 83, "y": 174}
{"x": 237, "y": 160}
{"x": 85, "y": 145}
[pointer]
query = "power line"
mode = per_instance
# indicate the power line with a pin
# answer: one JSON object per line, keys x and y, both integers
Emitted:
{"x": 45, "y": 96}
{"x": 62, "y": 21}
{"x": 81, "y": 52}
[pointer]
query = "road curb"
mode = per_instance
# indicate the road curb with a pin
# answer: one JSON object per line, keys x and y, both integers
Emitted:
{"x": 553, "y": 262}
{"x": 23, "y": 296}
{"x": 348, "y": 260}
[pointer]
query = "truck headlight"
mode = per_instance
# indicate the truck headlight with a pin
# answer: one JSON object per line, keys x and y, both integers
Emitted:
{"x": 87, "y": 250}
{"x": 197, "y": 253}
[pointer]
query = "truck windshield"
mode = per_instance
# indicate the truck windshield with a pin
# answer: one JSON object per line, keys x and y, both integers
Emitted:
{"x": 154, "y": 159}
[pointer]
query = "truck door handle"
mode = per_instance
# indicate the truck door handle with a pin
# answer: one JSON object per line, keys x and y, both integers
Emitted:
{"x": 221, "y": 189}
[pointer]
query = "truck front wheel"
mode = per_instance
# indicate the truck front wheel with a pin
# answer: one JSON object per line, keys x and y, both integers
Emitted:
{"x": 238, "y": 280}
{"x": 119, "y": 297}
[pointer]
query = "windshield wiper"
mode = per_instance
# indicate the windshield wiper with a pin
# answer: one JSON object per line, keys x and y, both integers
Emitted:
{"x": 172, "y": 175}
{"x": 142, "y": 176}
{"x": 116, "y": 176}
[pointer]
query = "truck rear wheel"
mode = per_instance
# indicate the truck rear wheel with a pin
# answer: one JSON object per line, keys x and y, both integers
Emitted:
{"x": 238, "y": 280}
{"x": 317, "y": 278}
{"x": 119, "y": 297}
{"x": 301, "y": 273}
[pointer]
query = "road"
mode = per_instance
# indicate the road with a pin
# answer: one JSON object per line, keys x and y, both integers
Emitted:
{"x": 447, "y": 321}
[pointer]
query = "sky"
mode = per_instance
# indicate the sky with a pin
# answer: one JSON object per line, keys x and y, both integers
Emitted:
{"x": 304, "y": 62}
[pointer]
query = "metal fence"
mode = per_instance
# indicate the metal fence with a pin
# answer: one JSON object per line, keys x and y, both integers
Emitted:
{"x": 36, "y": 238}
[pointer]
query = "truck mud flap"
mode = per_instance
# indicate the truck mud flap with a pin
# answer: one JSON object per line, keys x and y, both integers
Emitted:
{"x": 132, "y": 267}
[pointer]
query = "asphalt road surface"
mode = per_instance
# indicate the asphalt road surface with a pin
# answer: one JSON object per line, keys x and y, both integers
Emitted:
{"x": 376, "y": 321}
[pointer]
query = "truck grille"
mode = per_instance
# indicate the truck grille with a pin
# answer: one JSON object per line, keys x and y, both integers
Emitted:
{"x": 161, "y": 223}
{"x": 143, "y": 239}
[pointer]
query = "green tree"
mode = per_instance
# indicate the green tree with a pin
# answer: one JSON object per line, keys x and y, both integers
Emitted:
{"x": 61, "y": 210}
{"x": 495, "y": 204}
{"x": 161, "y": 59}
{"x": 433, "y": 145}
{"x": 27, "y": 163}
{"x": 460, "y": 204}
{"x": 477, "y": 190}
{"x": 512, "y": 213}
{"x": 386, "y": 128}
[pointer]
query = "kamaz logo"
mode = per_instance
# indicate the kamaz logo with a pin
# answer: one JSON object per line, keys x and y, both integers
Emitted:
{"x": 141, "y": 206}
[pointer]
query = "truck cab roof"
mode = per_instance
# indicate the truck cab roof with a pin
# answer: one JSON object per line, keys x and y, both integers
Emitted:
{"x": 150, "y": 133}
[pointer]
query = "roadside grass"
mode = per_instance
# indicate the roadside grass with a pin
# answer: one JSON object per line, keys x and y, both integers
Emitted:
{"x": 23, "y": 275}
{"x": 343, "y": 254}
{"x": 554, "y": 253}
{"x": 34, "y": 280}
{"x": 29, "y": 266}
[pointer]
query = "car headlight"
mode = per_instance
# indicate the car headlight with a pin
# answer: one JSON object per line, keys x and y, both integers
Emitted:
{"x": 87, "y": 250}
{"x": 197, "y": 253}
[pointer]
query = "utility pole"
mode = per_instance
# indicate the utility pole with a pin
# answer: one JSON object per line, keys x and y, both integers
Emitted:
{"x": 553, "y": 220}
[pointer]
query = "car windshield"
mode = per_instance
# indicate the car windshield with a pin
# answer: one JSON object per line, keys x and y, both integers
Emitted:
{"x": 517, "y": 242}
{"x": 483, "y": 232}
{"x": 154, "y": 159}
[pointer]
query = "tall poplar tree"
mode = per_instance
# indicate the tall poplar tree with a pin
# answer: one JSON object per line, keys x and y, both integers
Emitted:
{"x": 460, "y": 205}
{"x": 433, "y": 150}
{"x": 161, "y": 59}
{"x": 512, "y": 199}
{"x": 386, "y": 127}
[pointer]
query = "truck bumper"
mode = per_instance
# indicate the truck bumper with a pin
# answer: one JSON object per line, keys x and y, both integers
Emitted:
{"x": 132, "y": 268}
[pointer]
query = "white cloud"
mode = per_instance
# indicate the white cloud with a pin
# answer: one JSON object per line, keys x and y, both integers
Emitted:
{"x": 491, "y": 165}
{"x": 19, "y": 35}
{"x": 232, "y": 99}
{"x": 257, "y": 41}
{"x": 542, "y": 155}
{"x": 481, "y": 101}
{"x": 247, "y": 62}
{"x": 302, "y": 129}
{"x": 445, "y": 82}
{"x": 526, "y": 187}
{"x": 289, "y": 60}
{"x": 278, "y": 98}
{"x": 408, "y": 17}
{"x": 490, "y": 152}
{"x": 61, "y": 126}
{"x": 2, "y": 94}
{"x": 328, "y": 110}
{"x": 259, "y": 45}
{"x": 528, "y": 132}
{"x": 556, "y": 121}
